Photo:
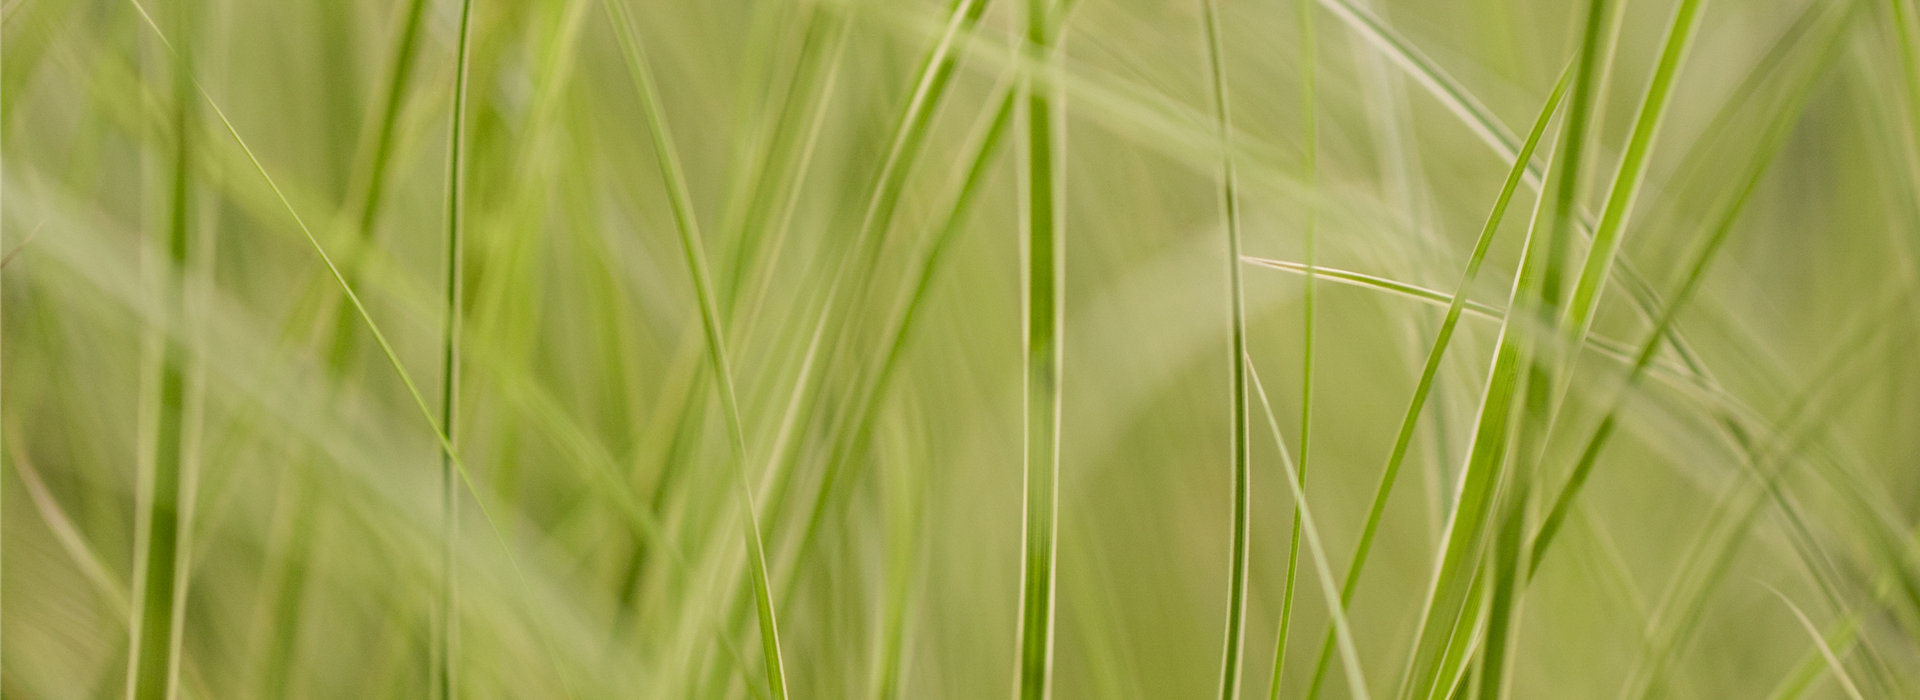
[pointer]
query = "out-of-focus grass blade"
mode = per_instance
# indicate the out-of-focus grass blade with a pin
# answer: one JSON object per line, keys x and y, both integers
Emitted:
{"x": 447, "y": 647}
{"x": 1820, "y": 642}
{"x": 1310, "y": 156}
{"x": 1045, "y": 323}
{"x": 1456, "y": 304}
{"x": 1241, "y": 464}
{"x": 681, "y": 201}
{"x": 163, "y": 534}
{"x": 1343, "y": 633}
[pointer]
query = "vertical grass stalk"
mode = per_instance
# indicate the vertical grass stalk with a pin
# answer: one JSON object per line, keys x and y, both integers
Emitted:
{"x": 1045, "y": 324}
{"x": 446, "y": 669}
{"x": 1310, "y": 166}
{"x": 1241, "y": 465}
{"x": 161, "y": 563}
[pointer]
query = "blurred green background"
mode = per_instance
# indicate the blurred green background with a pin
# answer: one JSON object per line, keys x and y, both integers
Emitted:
{"x": 185, "y": 389}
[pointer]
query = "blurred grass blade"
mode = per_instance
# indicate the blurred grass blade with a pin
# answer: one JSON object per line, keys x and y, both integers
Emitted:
{"x": 681, "y": 201}
{"x": 1342, "y": 631}
{"x": 1424, "y": 386}
{"x": 1241, "y": 466}
{"x": 448, "y": 671}
{"x": 1310, "y": 157}
{"x": 166, "y": 495}
{"x": 1820, "y": 642}
{"x": 1044, "y": 311}
{"x": 71, "y": 538}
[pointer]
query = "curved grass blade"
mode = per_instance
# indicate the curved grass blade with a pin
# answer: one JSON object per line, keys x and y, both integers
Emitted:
{"x": 334, "y": 270}
{"x": 909, "y": 135}
{"x": 1455, "y": 306}
{"x": 1676, "y": 374}
{"x": 1820, "y": 642}
{"x": 1453, "y": 95}
{"x": 1366, "y": 281}
{"x": 1241, "y": 465}
{"x": 1702, "y": 260}
{"x": 681, "y": 201}
{"x": 72, "y": 540}
{"x": 1459, "y": 563}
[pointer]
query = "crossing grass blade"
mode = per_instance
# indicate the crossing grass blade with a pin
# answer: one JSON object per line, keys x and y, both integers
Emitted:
{"x": 681, "y": 201}
{"x": 1727, "y": 215}
{"x": 1607, "y": 235}
{"x": 1342, "y": 630}
{"x": 1457, "y": 304}
{"x": 1820, "y": 642}
{"x": 1485, "y": 473}
{"x": 166, "y": 495}
{"x": 875, "y": 375}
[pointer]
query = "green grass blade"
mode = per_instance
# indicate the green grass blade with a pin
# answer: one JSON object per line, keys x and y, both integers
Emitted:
{"x": 1728, "y": 215}
{"x": 1234, "y": 650}
{"x": 1342, "y": 630}
{"x": 908, "y": 138}
{"x": 447, "y": 671}
{"x": 1376, "y": 282}
{"x": 1460, "y": 557}
{"x": 1820, "y": 642}
{"x": 1460, "y": 101}
{"x": 1310, "y": 165}
{"x": 1456, "y": 304}
{"x": 1045, "y": 323}
{"x": 681, "y": 201}
{"x": 1632, "y": 171}
{"x": 163, "y": 533}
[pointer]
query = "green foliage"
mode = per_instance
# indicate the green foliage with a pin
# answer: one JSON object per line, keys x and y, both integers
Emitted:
{"x": 861, "y": 349}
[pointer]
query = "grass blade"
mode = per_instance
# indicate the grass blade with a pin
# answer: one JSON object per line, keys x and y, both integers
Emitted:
{"x": 1242, "y": 467}
{"x": 681, "y": 201}
{"x": 1455, "y": 306}
{"x": 1728, "y": 214}
{"x": 1310, "y": 166}
{"x": 447, "y": 670}
{"x": 1045, "y": 323}
{"x": 1820, "y": 642}
{"x": 163, "y": 536}
{"x": 1632, "y": 171}
{"x": 1343, "y": 633}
